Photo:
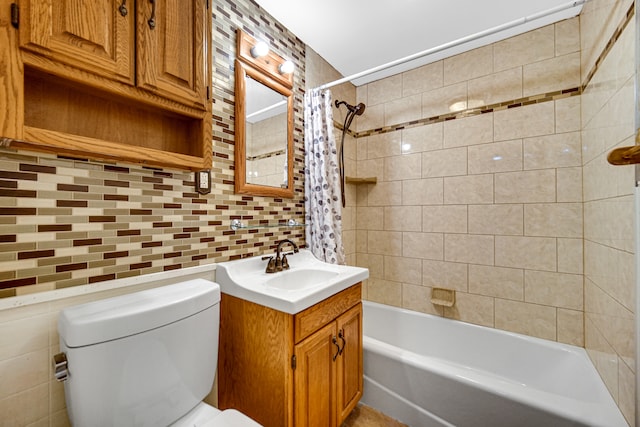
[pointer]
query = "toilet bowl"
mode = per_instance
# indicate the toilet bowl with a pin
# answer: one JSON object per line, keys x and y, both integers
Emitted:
{"x": 144, "y": 359}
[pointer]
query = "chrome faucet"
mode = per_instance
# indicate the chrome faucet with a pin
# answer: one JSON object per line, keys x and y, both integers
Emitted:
{"x": 279, "y": 264}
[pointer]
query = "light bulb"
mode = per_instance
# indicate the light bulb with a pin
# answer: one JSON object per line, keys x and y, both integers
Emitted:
{"x": 286, "y": 67}
{"x": 260, "y": 49}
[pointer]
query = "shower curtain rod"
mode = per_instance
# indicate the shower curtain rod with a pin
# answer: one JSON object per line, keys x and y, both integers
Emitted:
{"x": 457, "y": 42}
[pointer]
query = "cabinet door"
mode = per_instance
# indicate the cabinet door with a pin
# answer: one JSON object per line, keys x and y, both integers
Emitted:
{"x": 350, "y": 362}
{"x": 314, "y": 379}
{"x": 94, "y": 35}
{"x": 172, "y": 49}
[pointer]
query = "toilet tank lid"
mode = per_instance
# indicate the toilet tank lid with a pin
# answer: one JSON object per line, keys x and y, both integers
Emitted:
{"x": 130, "y": 314}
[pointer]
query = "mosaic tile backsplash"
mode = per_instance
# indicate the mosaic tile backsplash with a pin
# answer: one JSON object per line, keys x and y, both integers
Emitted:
{"x": 67, "y": 222}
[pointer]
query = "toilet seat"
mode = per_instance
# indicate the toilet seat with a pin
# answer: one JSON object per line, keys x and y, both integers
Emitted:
{"x": 204, "y": 415}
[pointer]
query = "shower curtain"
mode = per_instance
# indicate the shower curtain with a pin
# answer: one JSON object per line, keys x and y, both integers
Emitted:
{"x": 322, "y": 201}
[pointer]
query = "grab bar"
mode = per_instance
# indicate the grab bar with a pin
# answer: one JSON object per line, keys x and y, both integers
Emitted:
{"x": 629, "y": 155}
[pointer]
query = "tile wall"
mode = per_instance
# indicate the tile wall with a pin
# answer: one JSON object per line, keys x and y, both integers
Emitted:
{"x": 478, "y": 162}
{"x": 608, "y": 106}
{"x": 493, "y": 181}
{"x": 67, "y": 223}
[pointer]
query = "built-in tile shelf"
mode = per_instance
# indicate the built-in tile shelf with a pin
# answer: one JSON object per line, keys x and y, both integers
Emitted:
{"x": 370, "y": 180}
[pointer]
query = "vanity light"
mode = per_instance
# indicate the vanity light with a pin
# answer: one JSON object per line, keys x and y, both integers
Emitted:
{"x": 260, "y": 49}
{"x": 286, "y": 67}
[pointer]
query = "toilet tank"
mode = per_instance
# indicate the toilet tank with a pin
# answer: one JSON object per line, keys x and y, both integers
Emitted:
{"x": 142, "y": 359}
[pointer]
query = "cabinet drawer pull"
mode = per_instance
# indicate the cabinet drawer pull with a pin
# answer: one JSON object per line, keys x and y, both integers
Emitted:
{"x": 123, "y": 8}
{"x": 344, "y": 342}
{"x": 335, "y": 342}
{"x": 152, "y": 20}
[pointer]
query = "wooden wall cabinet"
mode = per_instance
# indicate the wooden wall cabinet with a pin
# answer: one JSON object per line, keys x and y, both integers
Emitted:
{"x": 109, "y": 79}
{"x": 93, "y": 36}
{"x": 292, "y": 370}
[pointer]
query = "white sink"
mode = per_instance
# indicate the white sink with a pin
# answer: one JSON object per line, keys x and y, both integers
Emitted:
{"x": 294, "y": 280}
{"x": 307, "y": 282}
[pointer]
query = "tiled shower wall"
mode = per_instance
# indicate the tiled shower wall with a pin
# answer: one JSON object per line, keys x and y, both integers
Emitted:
{"x": 67, "y": 222}
{"x": 608, "y": 108}
{"x": 511, "y": 201}
{"x": 479, "y": 185}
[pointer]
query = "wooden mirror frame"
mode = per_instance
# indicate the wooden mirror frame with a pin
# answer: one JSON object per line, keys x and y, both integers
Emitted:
{"x": 264, "y": 70}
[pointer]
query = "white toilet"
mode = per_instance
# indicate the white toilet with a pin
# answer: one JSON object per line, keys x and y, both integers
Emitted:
{"x": 144, "y": 359}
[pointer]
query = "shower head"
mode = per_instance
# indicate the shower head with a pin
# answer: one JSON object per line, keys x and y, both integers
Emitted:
{"x": 357, "y": 109}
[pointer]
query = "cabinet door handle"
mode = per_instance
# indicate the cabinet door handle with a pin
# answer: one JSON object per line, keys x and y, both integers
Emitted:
{"x": 152, "y": 19}
{"x": 123, "y": 8}
{"x": 335, "y": 342}
{"x": 344, "y": 342}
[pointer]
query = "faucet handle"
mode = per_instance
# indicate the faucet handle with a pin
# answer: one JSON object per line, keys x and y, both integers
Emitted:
{"x": 271, "y": 265}
{"x": 285, "y": 262}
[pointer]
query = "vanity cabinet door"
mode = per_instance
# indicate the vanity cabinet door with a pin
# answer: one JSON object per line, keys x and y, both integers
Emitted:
{"x": 93, "y": 35}
{"x": 350, "y": 361}
{"x": 328, "y": 376}
{"x": 315, "y": 379}
{"x": 171, "y": 59}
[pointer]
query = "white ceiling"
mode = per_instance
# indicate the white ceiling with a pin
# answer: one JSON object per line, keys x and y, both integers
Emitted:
{"x": 356, "y": 35}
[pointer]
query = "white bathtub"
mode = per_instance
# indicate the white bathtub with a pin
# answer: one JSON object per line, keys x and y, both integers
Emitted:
{"x": 428, "y": 371}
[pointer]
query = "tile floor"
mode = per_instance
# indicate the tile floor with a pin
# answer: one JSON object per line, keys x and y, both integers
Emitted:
{"x": 365, "y": 416}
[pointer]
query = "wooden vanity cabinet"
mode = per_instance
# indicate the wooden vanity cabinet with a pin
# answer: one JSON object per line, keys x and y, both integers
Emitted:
{"x": 328, "y": 375}
{"x": 292, "y": 370}
{"x": 95, "y": 79}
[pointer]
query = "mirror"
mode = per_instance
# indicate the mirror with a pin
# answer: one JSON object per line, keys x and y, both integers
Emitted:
{"x": 264, "y": 134}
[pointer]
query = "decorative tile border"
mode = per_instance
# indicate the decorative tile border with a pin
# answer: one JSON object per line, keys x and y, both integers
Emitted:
{"x": 529, "y": 100}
